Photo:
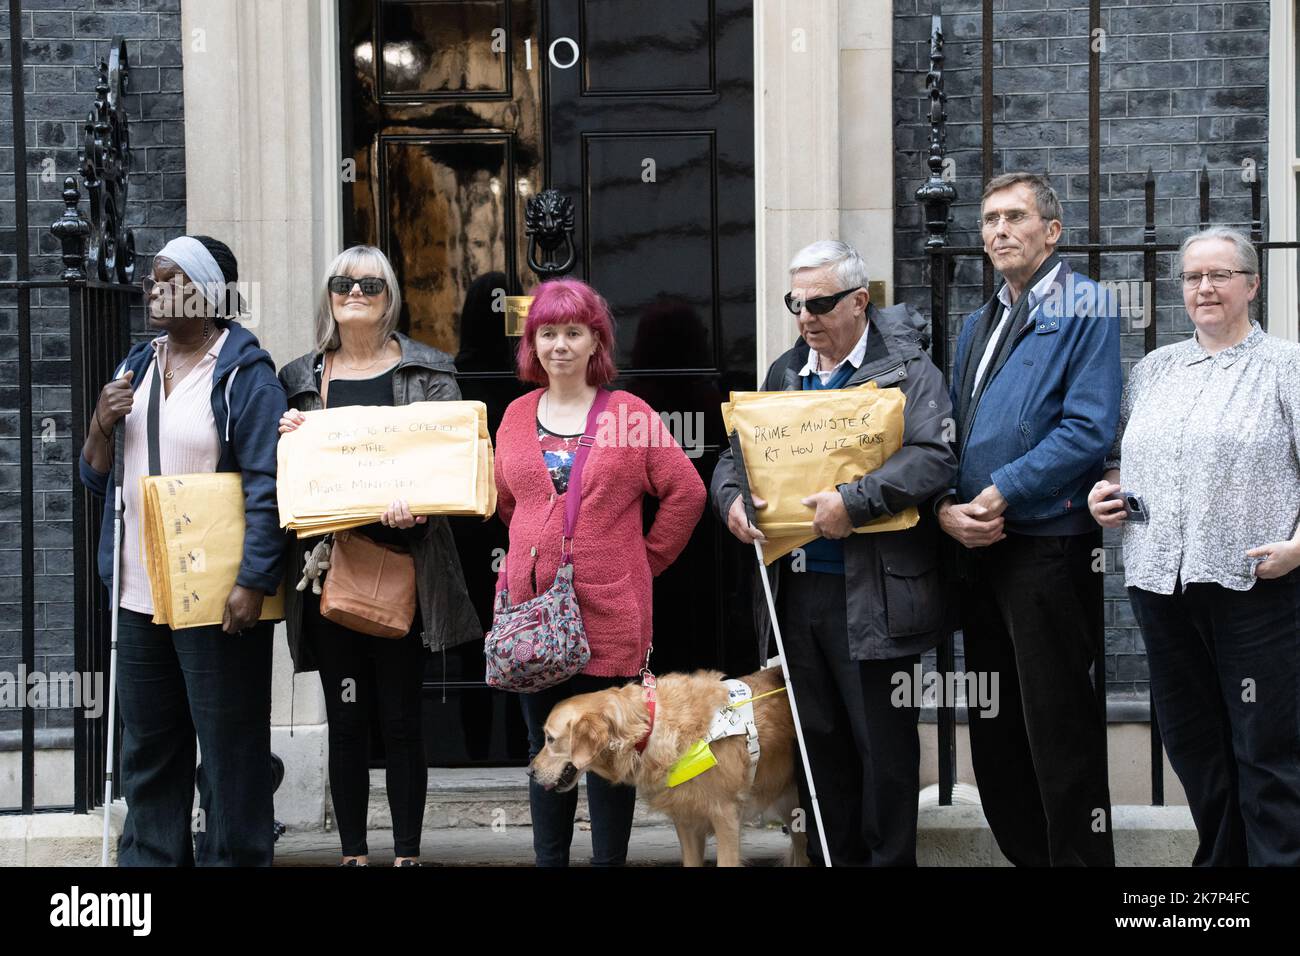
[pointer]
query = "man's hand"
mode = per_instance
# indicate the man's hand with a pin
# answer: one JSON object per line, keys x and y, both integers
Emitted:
{"x": 832, "y": 518}
{"x": 739, "y": 525}
{"x": 970, "y": 524}
{"x": 243, "y": 608}
{"x": 991, "y": 500}
{"x": 1280, "y": 557}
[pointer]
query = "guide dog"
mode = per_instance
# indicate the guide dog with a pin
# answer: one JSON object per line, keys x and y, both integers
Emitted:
{"x": 600, "y": 732}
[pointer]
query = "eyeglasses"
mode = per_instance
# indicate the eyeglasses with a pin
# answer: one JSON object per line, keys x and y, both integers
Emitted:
{"x": 1013, "y": 218}
{"x": 149, "y": 283}
{"x": 1218, "y": 277}
{"x": 370, "y": 285}
{"x": 818, "y": 306}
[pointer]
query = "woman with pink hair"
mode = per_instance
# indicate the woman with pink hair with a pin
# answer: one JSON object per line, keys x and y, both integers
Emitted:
{"x": 567, "y": 349}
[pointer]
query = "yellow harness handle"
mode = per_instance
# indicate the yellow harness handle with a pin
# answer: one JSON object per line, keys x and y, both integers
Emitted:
{"x": 750, "y": 700}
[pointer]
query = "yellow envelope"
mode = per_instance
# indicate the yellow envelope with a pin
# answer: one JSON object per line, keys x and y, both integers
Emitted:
{"x": 343, "y": 467}
{"x": 799, "y": 443}
{"x": 192, "y": 540}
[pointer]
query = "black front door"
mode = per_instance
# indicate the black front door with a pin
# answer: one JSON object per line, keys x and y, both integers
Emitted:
{"x": 456, "y": 112}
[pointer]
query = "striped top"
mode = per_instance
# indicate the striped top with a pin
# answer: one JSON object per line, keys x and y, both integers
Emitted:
{"x": 187, "y": 445}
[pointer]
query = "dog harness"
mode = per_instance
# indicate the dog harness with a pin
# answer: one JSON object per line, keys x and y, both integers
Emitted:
{"x": 734, "y": 718}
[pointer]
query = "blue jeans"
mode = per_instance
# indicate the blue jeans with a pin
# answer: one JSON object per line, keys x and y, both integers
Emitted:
{"x": 1225, "y": 674}
{"x": 611, "y": 805}
{"x": 172, "y": 686}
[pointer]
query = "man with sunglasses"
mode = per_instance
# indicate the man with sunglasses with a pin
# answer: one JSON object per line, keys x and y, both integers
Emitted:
{"x": 857, "y": 610}
{"x": 1036, "y": 390}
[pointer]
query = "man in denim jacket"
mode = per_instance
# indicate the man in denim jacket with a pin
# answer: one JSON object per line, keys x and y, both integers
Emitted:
{"x": 1035, "y": 392}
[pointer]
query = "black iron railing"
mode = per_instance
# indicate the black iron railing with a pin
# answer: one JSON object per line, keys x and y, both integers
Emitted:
{"x": 98, "y": 256}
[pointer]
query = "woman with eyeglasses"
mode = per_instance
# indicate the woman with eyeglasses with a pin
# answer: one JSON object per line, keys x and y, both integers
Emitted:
{"x": 361, "y": 359}
{"x": 200, "y": 397}
{"x": 1204, "y": 478}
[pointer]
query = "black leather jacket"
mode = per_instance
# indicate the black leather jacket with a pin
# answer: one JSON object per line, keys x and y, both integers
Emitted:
{"x": 423, "y": 374}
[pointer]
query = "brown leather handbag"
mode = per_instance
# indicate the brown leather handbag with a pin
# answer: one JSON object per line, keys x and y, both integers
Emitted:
{"x": 370, "y": 587}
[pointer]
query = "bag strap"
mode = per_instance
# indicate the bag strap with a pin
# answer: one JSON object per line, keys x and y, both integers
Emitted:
{"x": 325, "y": 380}
{"x": 573, "y": 499}
{"x": 151, "y": 420}
{"x": 574, "y": 491}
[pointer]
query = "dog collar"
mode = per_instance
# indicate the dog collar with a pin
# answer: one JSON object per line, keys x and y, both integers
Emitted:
{"x": 648, "y": 686}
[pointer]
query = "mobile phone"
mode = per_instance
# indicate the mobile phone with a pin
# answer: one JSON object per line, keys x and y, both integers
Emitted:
{"x": 1134, "y": 506}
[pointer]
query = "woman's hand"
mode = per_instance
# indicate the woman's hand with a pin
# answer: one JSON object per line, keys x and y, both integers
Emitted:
{"x": 399, "y": 515}
{"x": 291, "y": 420}
{"x": 243, "y": 608}
{"x": 1106, "y": 511}
{"x": 115, "y": 400}
{"x": 1279, "y": 558}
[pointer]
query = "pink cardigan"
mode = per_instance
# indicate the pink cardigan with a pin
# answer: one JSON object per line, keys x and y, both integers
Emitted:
{"x": 613, "y": 562}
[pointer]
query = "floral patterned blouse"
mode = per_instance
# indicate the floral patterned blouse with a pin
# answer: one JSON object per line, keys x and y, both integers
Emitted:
{"x": 1212, "y": 445}
{"x": 557, "y": 452}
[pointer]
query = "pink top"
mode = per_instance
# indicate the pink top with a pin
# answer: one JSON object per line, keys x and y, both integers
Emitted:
{"x": 187, "y": 445}
{"x": 613, "y": 562}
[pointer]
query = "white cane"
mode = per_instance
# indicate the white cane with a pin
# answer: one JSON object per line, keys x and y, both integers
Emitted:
{"x": 119, "y": 453}
{"x": 794, "y": 709}
{"x": 747, "y": 499}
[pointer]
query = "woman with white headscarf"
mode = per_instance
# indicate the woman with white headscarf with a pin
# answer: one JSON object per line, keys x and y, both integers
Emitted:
{"x": 214, "y": 399}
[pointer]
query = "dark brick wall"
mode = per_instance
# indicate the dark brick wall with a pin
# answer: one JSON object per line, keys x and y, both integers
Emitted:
{"x": 63, "y": 41}
{"x": 1182, "y": 85}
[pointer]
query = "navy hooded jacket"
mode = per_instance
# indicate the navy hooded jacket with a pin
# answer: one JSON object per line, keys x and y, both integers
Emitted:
{"x": 247, "y": 402}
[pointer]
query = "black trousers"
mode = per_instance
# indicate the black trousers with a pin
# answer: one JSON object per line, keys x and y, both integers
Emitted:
{"x": 1031, "y": 614}
{"x": 174, "y": 686}
{"x": 1225, "y": 678}
{"x": 360, "y": 674}
{"x": 611, "y": 805}
{"x": 864, "y": 752}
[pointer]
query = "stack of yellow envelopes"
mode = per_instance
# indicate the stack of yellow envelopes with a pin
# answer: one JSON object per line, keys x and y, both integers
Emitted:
{"x": 796, "y": 444}
{"x": 192, "y": 542}
{"x": 343, "y": 467}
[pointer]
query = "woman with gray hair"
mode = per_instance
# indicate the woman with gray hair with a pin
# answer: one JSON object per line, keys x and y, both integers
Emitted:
{"x": 361, "y": 359}
{"x": 1209, "y": 500}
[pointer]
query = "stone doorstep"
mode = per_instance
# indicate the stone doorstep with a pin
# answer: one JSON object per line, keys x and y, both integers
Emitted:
{"x": 59, "y": 839}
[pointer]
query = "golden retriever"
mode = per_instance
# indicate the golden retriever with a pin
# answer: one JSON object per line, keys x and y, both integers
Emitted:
{"x": 599, "y": 732}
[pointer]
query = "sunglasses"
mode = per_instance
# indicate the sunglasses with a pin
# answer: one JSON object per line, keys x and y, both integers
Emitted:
{"x": 370, "y": 285}
{"x": 818, "y": 306}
